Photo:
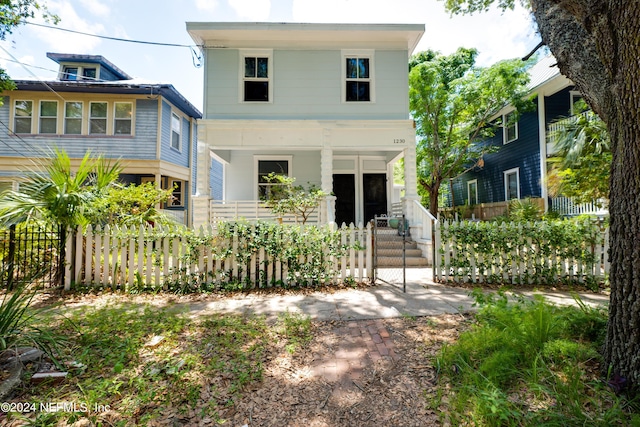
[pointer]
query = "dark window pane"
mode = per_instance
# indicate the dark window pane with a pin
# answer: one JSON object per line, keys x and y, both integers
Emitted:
{"x": 70, "y": 74}
{"x": 249, "y": 67}
{"x": 24, "y": 108}
{"x": 98, "y": 109}
{"x": 73, "y": 126}
{"x": 263, "y": 68}
{"x": 90, "y": 73}
{"x": 22, "y": 125}
{"x": 122, "y": 127}
{"x": 49, "y": 108}
{"x": 256, "y": 91}
{"x": 363, "y": 68}
{"x": 358, "y": 91}
{"x": 352, "y": 68}
{"x": 48, "y": 125}
{"x": 98, "y": 126}
{"x": 265, "y": 167}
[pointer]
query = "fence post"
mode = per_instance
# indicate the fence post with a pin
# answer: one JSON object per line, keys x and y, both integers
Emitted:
{"x": 11, "y": 256}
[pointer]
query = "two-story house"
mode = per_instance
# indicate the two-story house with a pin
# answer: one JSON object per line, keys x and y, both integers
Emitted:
{"x": 518, "y": 169}
{"x": 326, "y": 104}
{"x": 94, "y": 105}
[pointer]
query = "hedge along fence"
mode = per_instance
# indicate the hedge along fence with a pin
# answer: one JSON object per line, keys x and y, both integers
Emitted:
{"x": 230, "y": 256}
{"x": 543, "y": 253}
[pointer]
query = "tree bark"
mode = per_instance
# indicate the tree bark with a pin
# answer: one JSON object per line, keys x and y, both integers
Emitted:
{"x": 597, "y": 46}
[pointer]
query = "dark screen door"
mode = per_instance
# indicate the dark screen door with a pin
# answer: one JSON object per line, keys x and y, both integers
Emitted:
{"x": 344, "y": 188}
{"x": 374, "y": 187}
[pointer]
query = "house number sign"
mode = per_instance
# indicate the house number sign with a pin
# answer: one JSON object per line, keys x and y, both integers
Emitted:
{"x": 399, "y": 141}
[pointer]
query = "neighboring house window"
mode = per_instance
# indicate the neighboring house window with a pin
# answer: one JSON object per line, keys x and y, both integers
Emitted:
{"x": 266, "y": 166}
{"x": 70, "y": 73}
{"x": 89, "y": 73}
{"x": 48, "y": 117}
{"x": 123, "y": 118}
{"x": 176, "y": 193}
{"x": 98, "y": 118}
{"x": 512, "y": 184}
{"x": 256, "y": 76}
{"x": 472, "y": 191}
{"x": 510, "y": 127}
{"x": 176, "y": 126}
{"x": 578, "y": 104}
{"x": 73, "y": 118}
{"x": 6, "y": 186}
{"x": 22, "y": 116}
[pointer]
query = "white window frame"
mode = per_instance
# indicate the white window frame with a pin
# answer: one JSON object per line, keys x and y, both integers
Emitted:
{"x": 175, "y": 131}
{"x": 574, "y": 95}
{"x": 40, "y": 116}
{"x": 80, "y": 73}
{"x": 505, "y": 175}
{"x": 130, "y": 119}
{"x": 505, "y": 128}
{"x": 65, "y": 118}
{"x": 358, "y": 53}
{"x": 105, "y": 118}
{"x": 469, "y": 184}
{"x": 176, "y": 202}
{"x": 256, "y": 162}
{"x": 15, "y": 116}
{"x": 256, "y": 53}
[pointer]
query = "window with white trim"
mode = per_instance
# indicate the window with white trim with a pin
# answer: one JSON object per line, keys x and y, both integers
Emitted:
{"x": 73, "y": 118}
{"x": 256, "y": 76}
{"x": 48, "y": 117}
{"x": 357, "y": 75}
{"x": 22, "y": 115}
{"x": 578, "y": 104}
{"x": 176, "y": 127}
{"x": 472, "y": 192}
{"x": 98, "y": 118}
{"x": 510, "y": 127}
{"x": 269, "y": 165}
{"x": 176, "y": 193}
{"x": 512, "y": 184}
{"x": 123, "y": 118}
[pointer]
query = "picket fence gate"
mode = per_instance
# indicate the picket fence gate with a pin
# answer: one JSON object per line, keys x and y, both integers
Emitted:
{"x": 527, "y": 264}
{"x": 143, "y": 257}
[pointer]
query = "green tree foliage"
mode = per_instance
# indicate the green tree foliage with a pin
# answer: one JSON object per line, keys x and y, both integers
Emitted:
{"x": 57, "y": 193}
{"x": 453, "y": 103}
{"x": 128, "y": 205}
{"x": 581, "y": 166}
{"x": 287, "y": 198}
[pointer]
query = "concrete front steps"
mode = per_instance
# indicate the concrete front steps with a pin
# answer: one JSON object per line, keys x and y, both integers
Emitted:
{"x": 389, "y": 250}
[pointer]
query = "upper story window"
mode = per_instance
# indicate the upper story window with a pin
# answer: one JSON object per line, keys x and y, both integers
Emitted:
{"x": 257, "y": 76}
{"x": 357, "y": 74}
{"x": 77, "y": 72}
{"x": 73, "y": 118}
{"x": 123, "y": 118}
{"x": 70, "y": 73}
{"x": 176, "y": 127}
{"x": 23, "y": 113}
{"x": 89, "y": 73}
{"x": 510, "y": 127}
{"x": 48, "y": 117}
{"x": 98, "y": 118}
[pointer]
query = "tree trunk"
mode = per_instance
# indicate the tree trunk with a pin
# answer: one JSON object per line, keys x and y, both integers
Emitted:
{"x": 597, "y": 47}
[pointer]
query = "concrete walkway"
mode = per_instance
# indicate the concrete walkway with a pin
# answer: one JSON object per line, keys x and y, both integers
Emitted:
{"x": 423, "y": 297}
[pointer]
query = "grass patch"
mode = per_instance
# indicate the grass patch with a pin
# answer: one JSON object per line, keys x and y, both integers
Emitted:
{"x": 296, "y": 329}
{"x": 137, "y": 362}
{"x": 531, "y": 363}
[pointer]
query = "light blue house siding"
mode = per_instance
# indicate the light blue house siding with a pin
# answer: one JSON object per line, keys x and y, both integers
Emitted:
{"x": 307, "y": 84}
{"x": 168, "y": 153}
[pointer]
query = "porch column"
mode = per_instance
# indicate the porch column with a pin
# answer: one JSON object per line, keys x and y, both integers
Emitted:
{"x": 328, "y": 209}
{"x": 200, "y": 201}
{"x": 410, "y": 185}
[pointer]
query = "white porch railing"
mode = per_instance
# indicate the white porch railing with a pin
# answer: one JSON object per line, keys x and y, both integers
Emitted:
{"x": 566, "y": 206}
{"x": 178, "y": 216}
{"x": 426, "y": 220}
{"x": 251, "y": 210}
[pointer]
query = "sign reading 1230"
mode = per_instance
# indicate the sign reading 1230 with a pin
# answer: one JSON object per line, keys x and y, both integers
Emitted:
{"x": 399, "y": 141}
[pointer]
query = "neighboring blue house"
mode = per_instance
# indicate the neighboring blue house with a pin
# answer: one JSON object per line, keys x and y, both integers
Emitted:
{"x": 518, "y": 169}
{"x": 93, "y": 105}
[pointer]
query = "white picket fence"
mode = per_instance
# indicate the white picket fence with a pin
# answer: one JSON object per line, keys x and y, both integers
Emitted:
{"x": 527, "y": 264}
{"x": 147, "y": 258}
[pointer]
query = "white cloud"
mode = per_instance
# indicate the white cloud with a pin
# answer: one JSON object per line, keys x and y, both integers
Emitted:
{"x": 98, "y": 8}
{"x": 207, "y": 5}
{"x": 65, "y": 42}
{"x": 253, "y": 10}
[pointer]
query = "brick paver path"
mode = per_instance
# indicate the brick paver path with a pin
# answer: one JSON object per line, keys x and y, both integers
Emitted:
{"x": 361, "y": 344}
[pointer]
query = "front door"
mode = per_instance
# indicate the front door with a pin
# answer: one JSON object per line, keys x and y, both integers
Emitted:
{"x": 374, "y": 187}
{"x": 344, "y": 188}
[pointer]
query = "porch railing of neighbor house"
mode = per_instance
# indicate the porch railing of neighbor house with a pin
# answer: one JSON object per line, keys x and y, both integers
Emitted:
{"x": 146, "y": 257}
{"x": 251, "y": 210}
{"x": 526, "y": 262}
{"x": 566, "y": 206}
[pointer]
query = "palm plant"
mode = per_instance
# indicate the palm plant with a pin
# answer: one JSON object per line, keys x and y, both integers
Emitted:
{"x": 56, "y": 193}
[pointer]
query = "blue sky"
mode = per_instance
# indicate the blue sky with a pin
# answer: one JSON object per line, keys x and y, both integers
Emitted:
{"x": 496, "y": 35}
